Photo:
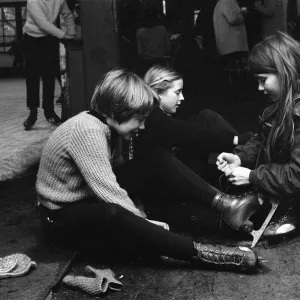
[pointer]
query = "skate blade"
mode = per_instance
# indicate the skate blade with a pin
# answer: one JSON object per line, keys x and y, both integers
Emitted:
{"x": 258, "y": 233}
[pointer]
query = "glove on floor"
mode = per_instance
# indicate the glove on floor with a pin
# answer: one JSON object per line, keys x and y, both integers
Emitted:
{"x": 99, "y": 284}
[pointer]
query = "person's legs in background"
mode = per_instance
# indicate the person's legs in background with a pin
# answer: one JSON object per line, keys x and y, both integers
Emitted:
{"x": 49, "y": 64}
{"x": 33, "y": 56}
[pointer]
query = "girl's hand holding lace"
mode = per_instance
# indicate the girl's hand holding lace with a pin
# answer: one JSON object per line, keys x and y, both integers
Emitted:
{"x": 225, "y": 160}
{"x": 239, "y": 176}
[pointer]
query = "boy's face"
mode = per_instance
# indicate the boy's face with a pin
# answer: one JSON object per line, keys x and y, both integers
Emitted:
{"x": 129, "y": 128}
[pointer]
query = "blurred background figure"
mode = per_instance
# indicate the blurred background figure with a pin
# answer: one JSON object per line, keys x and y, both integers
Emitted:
{"x": 153, "y": 41}
{"x": 232, "y": 45}
{"x": 252, "y": 19}
{"x": 16, "y": 51}
{"x": 273, "y": 16}
{"x": 204, "y": 28}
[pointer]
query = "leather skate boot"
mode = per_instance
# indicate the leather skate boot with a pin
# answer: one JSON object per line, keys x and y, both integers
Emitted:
{"x": 238, "y": 258}
{"x": 237, "y": 209}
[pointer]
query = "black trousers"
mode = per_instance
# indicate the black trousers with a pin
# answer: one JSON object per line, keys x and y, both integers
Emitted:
{"x": 96, "y": 220}
{"x": 219, "y": 138}
{"x": 40, "y": 61}
{"x": 96, "y": 223}
{"x": 159, "y": 166}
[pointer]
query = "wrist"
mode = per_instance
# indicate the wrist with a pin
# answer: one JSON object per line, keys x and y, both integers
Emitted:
{"x": 238, "y": 160}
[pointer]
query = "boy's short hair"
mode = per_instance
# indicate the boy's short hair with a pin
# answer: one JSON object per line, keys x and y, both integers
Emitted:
{"x": 121, "y": 95}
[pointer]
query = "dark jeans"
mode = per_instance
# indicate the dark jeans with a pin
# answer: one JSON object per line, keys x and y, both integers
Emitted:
{"x": 94, "y": 222}
{"x": 161, "y": 167}
{"x": 40, "y": 60}
{"x": 98, "y": 220}
{"x": 219, "y": 138}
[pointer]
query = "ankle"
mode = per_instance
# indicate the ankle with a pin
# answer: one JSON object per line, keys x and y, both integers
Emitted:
{"x": 33, "y": 111}
{"x": 48, "y": 112}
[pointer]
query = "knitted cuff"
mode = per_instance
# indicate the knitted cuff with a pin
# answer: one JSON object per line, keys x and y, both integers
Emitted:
{"x": 15, "y": 265}
{"x": 97, "y": 285}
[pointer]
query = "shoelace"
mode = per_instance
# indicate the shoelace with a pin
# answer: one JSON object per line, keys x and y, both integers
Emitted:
{"x": 221, "y": 258}
{"x": 214, "y": 256}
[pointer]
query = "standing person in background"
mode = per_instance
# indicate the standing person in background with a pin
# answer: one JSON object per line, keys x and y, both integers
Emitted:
{"x": 204, "y": 28}
{"x": 252, "y": 22}
{"x": 232, "y": 45}
{"x": 41, "y": 37}
{"x": 153, "y": 41}
{"x": 273, "y": 16}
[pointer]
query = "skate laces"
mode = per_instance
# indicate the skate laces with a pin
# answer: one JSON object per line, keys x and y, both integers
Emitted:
{"x": 211, "y": 254}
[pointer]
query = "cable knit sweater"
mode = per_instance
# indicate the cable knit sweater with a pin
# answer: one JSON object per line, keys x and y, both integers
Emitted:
{"x": 76, "y": 164}
{"x": 42, "y": 14}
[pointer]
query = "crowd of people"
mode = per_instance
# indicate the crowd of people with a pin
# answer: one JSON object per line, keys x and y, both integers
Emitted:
{"x": 85, "y": 187}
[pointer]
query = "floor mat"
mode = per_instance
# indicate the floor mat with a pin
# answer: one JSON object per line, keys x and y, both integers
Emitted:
{"x": 20, "y": 233}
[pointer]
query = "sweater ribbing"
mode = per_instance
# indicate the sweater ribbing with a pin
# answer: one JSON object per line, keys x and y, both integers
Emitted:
{"x": 75, "y": 165}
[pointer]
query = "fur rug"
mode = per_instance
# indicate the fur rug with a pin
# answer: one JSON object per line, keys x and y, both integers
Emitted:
{"x": 20, "y": 149}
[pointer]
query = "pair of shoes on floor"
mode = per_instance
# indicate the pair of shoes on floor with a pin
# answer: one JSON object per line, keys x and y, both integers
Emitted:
{"x": 284, "y": 223}
{"x": 52, "y": 118}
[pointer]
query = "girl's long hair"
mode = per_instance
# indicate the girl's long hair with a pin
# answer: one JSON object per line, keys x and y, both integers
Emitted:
{"x": 279, "y": 54}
